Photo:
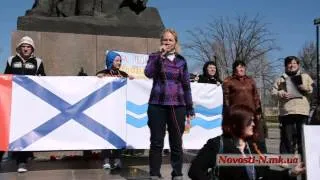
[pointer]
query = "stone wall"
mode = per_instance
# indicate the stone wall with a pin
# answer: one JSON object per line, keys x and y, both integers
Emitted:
{"x": 65, "y": 53}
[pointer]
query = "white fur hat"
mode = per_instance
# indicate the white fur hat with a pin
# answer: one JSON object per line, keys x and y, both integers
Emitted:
{"x": 26, "y": 40}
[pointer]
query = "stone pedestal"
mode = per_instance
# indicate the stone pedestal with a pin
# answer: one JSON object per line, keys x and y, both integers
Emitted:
{"x": 147, "y": 24}
{"x": 65, "y": 53}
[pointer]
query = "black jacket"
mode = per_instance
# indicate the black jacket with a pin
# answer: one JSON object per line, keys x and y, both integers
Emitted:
{"x": 206, "y": 159}
{"x": 205, "y": 79}
{"x": 113, "y": 73}
{"x": 33, "y": 66}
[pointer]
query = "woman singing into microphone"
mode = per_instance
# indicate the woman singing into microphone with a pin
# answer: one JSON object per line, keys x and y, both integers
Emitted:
{"x": 170, "y": 103}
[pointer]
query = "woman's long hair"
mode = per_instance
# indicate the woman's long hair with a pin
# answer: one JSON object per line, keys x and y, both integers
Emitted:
{"x": 236, "y": 119}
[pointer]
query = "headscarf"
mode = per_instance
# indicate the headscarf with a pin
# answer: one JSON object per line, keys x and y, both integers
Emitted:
{"x": 111, "y": 56}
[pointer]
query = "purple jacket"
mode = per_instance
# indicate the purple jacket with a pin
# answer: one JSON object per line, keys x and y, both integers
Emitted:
{"x": 171, "y": 82}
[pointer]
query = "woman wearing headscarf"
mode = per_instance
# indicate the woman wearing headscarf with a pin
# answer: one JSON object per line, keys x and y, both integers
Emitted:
{"x": 112, "y": 66}
{"x": 112, "y": 157}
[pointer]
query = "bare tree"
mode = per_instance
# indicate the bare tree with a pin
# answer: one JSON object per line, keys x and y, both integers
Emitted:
{"x": 225, "y": 41}
{"x": 308, "y": 58}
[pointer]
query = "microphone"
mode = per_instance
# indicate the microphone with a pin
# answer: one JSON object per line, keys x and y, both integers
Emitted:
{"x": 163, "y": 52}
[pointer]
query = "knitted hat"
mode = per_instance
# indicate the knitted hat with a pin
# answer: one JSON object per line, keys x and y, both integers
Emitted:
{"x": 111, "y": 55}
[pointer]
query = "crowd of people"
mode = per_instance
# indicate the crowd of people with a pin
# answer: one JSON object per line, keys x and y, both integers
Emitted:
{"x": 171, "y": 105}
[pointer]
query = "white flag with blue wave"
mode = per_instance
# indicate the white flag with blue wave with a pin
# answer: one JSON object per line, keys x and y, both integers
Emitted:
{"x": 207, "y": 98}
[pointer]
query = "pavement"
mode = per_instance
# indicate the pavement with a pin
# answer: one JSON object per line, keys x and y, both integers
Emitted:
{"x": 134, "y": 168}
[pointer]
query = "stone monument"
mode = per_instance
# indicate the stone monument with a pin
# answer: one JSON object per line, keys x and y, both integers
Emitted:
{"x": 99, "y": 17}
{"x": 70, "y": 34}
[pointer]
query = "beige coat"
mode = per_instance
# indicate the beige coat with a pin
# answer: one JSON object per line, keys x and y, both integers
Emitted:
{"x": 296, "y": 105}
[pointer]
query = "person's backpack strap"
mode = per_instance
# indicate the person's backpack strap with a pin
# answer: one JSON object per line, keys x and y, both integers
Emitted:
{"x": 220, "y": 152}
{"x": 214, "y": 175}
{"x": 221, "y": 145}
